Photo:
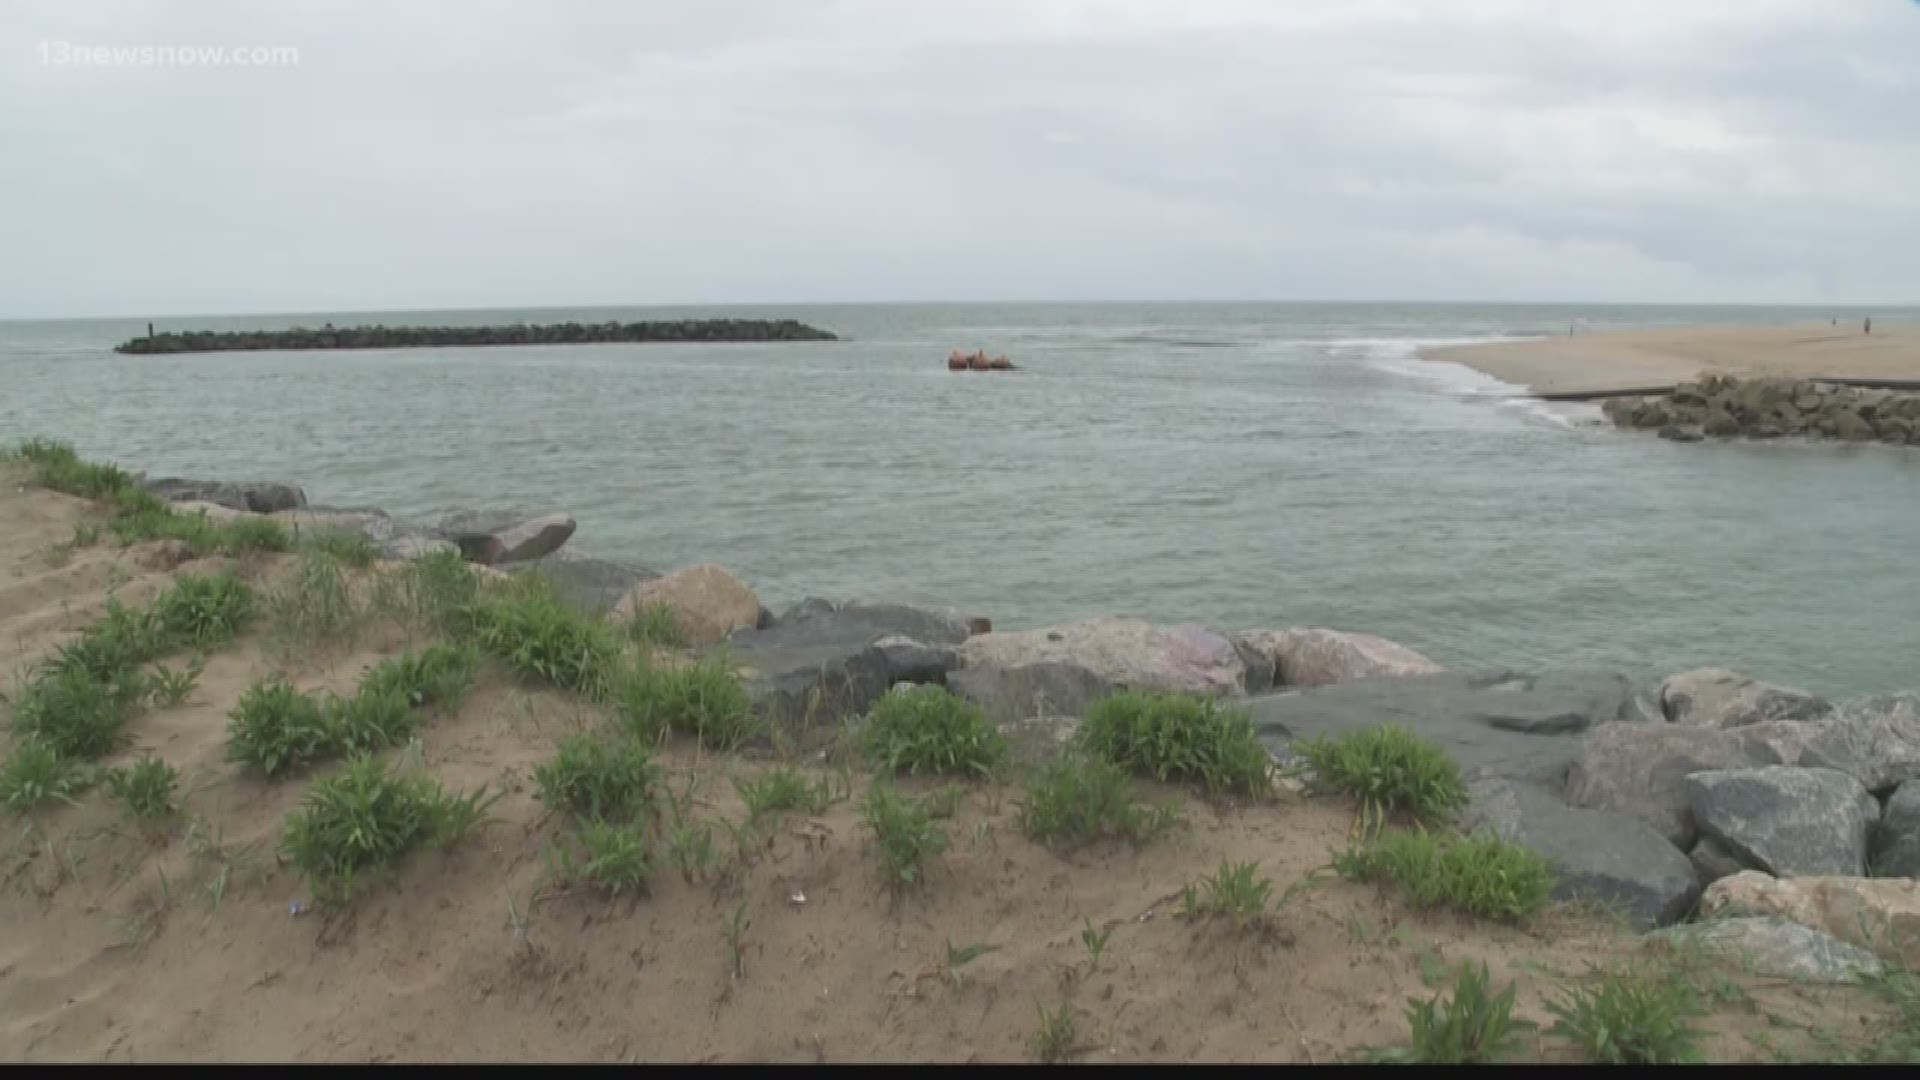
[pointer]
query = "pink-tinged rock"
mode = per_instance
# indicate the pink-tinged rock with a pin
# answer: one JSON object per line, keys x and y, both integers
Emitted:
{"x": 494, "y": 537}
{"x": 1881, "y": 915}
{"x": 1062, "y": 669}
{"x": 707, "y": 602}
{"x": 1312, "y": 656}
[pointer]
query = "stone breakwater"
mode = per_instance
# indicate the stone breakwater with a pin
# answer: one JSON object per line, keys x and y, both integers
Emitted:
{"x": 1791, "y": 819}
{"x": 1724, "y": 407}
{"x": 413, "y": 337}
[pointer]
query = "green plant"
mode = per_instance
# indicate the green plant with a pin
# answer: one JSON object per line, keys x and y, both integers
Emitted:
{"x": 436, "y": 591}
{"x": 655, "y": 624}
{"x": 36, "y": 774}
{"x": 1480, "y": 875}
{"x": 782, "y": 789}
{"x": 1076, "y": 801}
{"x": 316, "y": 606}
{"x": 599, "y": 778}
{"x": 147, "y": 787}
{"x": 543, "y": 640}
{"x": 960, "y": 957}
{"x": 75, "y": 714}
{"x": 735, "y": 931}
{"x": 277, "y": 728}
{"x": 1178, "y": 737}
{"x": 1095, "y": 941}
{"x": 122, "y": 639}
{"x": 1233, "y": 891}
{"x": 704, "y": 700}
{"x": 367, "y": 721}
{"x": 617, "y": 860}
{"x": 1059, "y": 1034}
{"x": 58, "y": 468}
{"x": 252, "y": 532}
{"x": 365, "y": 818}
{"x": 906, "y": 833}
{"x": 438, "y": 675}
{"x": 169, "y": 688}
{"x": 1631, "y": 1019}
{"x": 204, "y": 611}
{"x": 347, "y": 548}
{"x": 1471, "y": 1027}
{"x": 1389, "y": 770}
{"x": 690, "y": 846}
{"x": 927, "y": 729}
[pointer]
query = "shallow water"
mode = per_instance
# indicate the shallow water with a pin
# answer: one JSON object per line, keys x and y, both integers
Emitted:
{"x": 1241, "y": 465}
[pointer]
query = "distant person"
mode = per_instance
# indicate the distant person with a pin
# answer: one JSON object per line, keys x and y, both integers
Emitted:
{"x": 1869, "y": 328}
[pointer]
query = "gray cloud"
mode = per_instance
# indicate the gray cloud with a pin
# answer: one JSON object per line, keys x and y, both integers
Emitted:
{"x": 454, "y": 154}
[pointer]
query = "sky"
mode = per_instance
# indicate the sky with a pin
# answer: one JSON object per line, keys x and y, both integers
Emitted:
{"x": 436, "y": 154}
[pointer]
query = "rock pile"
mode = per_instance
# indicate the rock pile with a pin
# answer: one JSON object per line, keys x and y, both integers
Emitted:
{"x": 1724, "y": 407}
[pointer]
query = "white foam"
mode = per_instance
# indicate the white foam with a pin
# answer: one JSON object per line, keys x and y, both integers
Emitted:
{"x": 1401, "y": 357}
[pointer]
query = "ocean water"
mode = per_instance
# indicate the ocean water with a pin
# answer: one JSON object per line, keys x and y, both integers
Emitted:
{"x": 1242, "y": 465}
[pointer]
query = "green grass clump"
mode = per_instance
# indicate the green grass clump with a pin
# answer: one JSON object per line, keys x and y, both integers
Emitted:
{"x": 704, "y": 700}
{"x": 656, "y": 625}
{"x": 365, "y": 818}
{"x": 367, "y": 721}
{"x": 349, "y": 549}
{"x": 926, "y": 729}
{"x": 251, "y": 533}
{"x": 36, "y": 774}
{"x": 316, "y": 607}
{"x": 76, "y": 715}
{"x": 1479, "y": 875}
{"x": 1233, "y": 891}
{"x": 1631, "y": 1019}
{"x": 1178, "y": 737}
{"x": 615, "y": 857}
{"x": 1472, "y": 1027}
{"x": 139, "y": 515}
{"x": 1058, "y": 1037}
{"x": 436, "y": 676}
{"x": 58, "y": 468}
{"x": 543, "y": 640}
{"x": 1389, "y": 770}
{"x": 122, "y": 639}
{"x": 906, "y": 831}
{"x": 146, "y": 787}
{"x": 598, "y": 778}
{"x": 204, "y": 611}
{"x": 278, "y": 729}
{"x": 1076, "y": 801}
{"x": 168, "y": 687}
{"x": 783, "y": 789}
{"x": 435, "y": 592}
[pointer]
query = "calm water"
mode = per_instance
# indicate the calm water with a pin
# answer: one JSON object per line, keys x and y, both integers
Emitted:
{"x": 1242, "y": 465}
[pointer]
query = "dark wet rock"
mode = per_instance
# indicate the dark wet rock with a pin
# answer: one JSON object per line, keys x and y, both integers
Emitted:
{"x": 1876, "y": 740}
{"x": 1639, "y": 769}
{"x": 590, "y": 584}
{"x": 1714, "y": 861}
{"x": 1896, "y": 840}
{"x": 1790, "y": 822}
{"x": 492, "y": 537}
{"x": 258, "y": 496}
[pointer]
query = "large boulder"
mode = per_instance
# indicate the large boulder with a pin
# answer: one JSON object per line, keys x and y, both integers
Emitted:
{"x": 1077, "y": 663}
{"x": 1317, "y": 657}
{"x": 1638, "y": 769}
{"x": 1721, "y": 698}
{"x": 594, "y": 586}
{"x": 1495, "y": 724}
{"x": 913, "y": 661}
{"x": 1876, "y": 740}
{"x": 858, "y": 620}
{"x": 395, "y": 539}
{"x": 1611, "y": 858}
{"x": 1880, "y": 915}
{"x": 259, "y": 496}
{"x": 707, "y": 603}
{"x": 1775, "y": 948}
{"x": 1789, "y": 822}
{"x": 1896, "y": 842}
{"x": 492, "y": 537}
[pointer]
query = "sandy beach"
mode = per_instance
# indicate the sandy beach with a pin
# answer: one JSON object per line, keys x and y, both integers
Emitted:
{"x": 1650, "y": 358}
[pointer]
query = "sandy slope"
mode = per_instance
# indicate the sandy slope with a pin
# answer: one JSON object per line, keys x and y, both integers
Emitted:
{"x": 114, "y": 949}
{"x": 1664, "y": 357}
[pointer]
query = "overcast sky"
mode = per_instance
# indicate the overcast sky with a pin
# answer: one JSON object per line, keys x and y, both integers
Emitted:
{"x": 466, "y": 153}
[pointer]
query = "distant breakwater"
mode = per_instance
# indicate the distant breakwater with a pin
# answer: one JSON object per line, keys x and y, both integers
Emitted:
{"x": 416, "y": 337}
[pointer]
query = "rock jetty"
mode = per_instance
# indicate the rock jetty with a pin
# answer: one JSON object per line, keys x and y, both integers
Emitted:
{"x": 415, "y": 337}
{"x": 1724, "y": 407}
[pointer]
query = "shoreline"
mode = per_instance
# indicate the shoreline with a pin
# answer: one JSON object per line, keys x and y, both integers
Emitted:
{"x": 1639, "y": 361}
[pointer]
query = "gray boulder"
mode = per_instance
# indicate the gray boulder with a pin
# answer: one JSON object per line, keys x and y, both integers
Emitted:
{"x": 1495, "y": 724}
{"x": 1712, "y": 859}
{"x": 916, "y": 662}
{"x": 1787, "y": 821}
{"x": 592, "y": 585}
{"x": 1896, "y": 841}
{"x": 1776, "y": 949}
{"x": 1876, "y": 740}
{"x": 1721, "y": 698}
{"x": 1074, "y": 664}
{"x": 258, "y": 496}
{"x": 492, "y": 537}
{"x": 856, "y": 620}
{"x": 1637, "y": 769}
{"x": 1596, "y": 855}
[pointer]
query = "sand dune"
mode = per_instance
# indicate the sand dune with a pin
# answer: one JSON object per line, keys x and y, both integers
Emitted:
{"x": 1590, "y": 362}
{"x": 177, "y": 942}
